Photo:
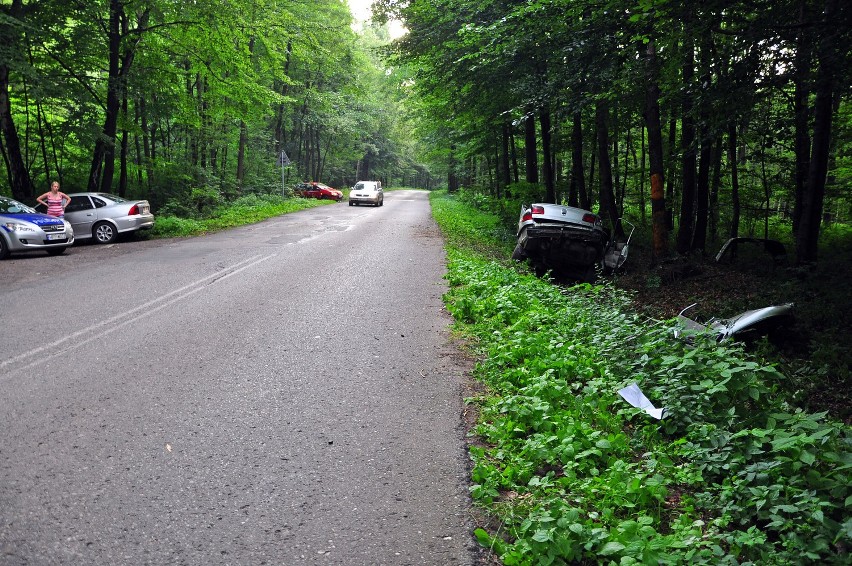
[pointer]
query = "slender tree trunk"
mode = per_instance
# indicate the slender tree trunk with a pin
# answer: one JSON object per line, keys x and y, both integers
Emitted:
{"x": 105, "y": 144}
{"x": 702, "y": 193}
{"x": 505, "y": 173}
{"x": 642, "y": 162}
{"x": 670, "y": 161}
{"x": 19, "y": 175}
{"x": 714, "y": 189}
{"x": 137, "y": 145}
{"x": 530, "y": 150}
{"x": 452, "y": 178}
{"x": 607, "y": 197}
{"x": 687, "y": 204}
{"x": 659, "y": 224}
{"x": 122, "y": 177}
{"x": 735, "y": 180}
{"x": 546, "y": 138}
{"x": 241, "y": 155}
{"x": 577, "y": 196}
{"x": 807, "y": 236}
{"x": 801, "y": 95}
{"x": 103, "y": 159}
{"x": 702, "y": 187}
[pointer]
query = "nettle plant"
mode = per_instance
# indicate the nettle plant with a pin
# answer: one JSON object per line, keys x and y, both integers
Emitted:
{"x": 571, "y": 472}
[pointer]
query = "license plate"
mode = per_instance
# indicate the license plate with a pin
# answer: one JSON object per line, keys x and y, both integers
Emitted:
{"x": 56, "y": 236}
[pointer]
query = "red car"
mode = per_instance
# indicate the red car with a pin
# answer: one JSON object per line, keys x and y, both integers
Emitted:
{"x": 316, "y": 190}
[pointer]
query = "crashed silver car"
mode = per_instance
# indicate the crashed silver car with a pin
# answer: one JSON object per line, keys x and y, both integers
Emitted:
{"x": 568, "y": 241}
{"x": 744, "y": 326}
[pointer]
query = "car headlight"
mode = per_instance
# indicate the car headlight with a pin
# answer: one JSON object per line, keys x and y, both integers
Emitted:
{"x": 16, "y": 227}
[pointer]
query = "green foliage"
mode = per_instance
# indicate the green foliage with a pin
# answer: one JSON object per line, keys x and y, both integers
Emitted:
{"x": 245, "y": 210}
{"x": 574, "y": 474}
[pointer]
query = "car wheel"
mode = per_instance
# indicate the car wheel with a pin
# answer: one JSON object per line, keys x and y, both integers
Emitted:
{"x": 104, "y": 232}
{"x": 351, "y": 203}
{"x": 519, "y": 254}
{"x": 4, "y": 249}
{"x": 56, "y": 251}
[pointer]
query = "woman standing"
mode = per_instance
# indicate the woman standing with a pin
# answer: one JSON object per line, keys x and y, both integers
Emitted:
{"x": 55, "y": 200}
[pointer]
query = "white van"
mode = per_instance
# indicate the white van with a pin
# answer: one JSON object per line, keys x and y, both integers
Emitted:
{"x": 367, "y": 192}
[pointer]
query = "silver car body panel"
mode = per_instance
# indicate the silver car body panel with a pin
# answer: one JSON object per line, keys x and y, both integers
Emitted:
{"x": 724, "y": 329}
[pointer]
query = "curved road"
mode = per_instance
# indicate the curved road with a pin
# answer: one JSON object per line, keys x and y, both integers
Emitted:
{"x": 281, "y": 393}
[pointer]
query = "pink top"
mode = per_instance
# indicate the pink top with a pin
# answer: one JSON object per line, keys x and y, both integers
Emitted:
{"x": 54, "y": 206}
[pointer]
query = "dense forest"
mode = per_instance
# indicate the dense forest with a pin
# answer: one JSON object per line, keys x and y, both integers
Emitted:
{"x": 700, "y": 121}
{"x": 714, "y": 119}
{"x": 181, "y": 101}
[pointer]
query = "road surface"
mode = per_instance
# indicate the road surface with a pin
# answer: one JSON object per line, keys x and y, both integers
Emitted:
{"x": 281, "y": 393}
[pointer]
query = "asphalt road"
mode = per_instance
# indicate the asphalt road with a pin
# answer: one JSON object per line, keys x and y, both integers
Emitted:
{"x": 282, "y": 393}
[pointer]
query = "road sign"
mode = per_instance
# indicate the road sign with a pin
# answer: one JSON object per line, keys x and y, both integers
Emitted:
{"x": 283, "y": 160}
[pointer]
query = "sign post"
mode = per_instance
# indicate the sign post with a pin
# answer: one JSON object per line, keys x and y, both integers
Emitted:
{"x": 283, "y": 162}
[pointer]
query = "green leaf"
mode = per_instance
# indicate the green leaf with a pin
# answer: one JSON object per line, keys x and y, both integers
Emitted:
{"x": 610, "y": 548}
{"x": 807, "y": 457}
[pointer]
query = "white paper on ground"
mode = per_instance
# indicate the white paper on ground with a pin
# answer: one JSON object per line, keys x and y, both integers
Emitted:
{"x": 633, "y": 395}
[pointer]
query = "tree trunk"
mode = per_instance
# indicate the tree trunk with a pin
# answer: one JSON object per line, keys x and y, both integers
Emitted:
{"x": 452, "y": 178}
{"x": 122, "y": 177}
{"x": 801, "y": 95}
{"x": 241, "y": 155}
{"x": 516, "y": 174}
{"x": 702, "y": 193}
{"x": 714, "y": 189}
{"x": 607, "y": 197}
{"x": 546, "y": 138}
{"x": 530, "y": 150}
{"x": 19, "y": 175}
{"x": 807, "y": 237}
{"x": 577, "y": 195}
{"x": 103, "y": 159}
{"x": 107, "y": 138}
{"x": 735, "y": 181}
{"x": 687, "y": 141}
{"x": 505, "y": 173}
{"x": 659, "y": 224}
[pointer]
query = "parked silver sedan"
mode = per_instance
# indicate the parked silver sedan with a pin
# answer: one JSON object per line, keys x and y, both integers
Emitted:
{"x": 103, "y": 216}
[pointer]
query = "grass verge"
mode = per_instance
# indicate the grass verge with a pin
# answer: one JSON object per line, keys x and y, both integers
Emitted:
{"x": 568, "y": 472}
{"x": 246, "y": 210}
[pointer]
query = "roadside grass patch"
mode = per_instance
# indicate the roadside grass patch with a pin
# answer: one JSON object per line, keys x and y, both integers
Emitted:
{"x": 245, "y": 210}
{"x": 572, "y": 473}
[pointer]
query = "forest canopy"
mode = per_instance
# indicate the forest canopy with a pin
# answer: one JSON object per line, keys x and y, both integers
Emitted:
{"x": 711, "y": 117}
{"x": 166, "y": 100}
{"x": 700, "y": 121}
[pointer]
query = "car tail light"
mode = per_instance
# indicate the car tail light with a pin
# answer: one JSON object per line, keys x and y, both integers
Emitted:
{"x": 590, "y": 218}
{"x": 527, "y": 216}
{"x": 133, "y": 210}
{"x": 537, "y": 209}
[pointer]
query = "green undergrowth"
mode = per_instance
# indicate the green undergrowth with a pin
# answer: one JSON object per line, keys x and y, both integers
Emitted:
{"x": 568, "y": 472}
{"x": 246, "y": 210}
